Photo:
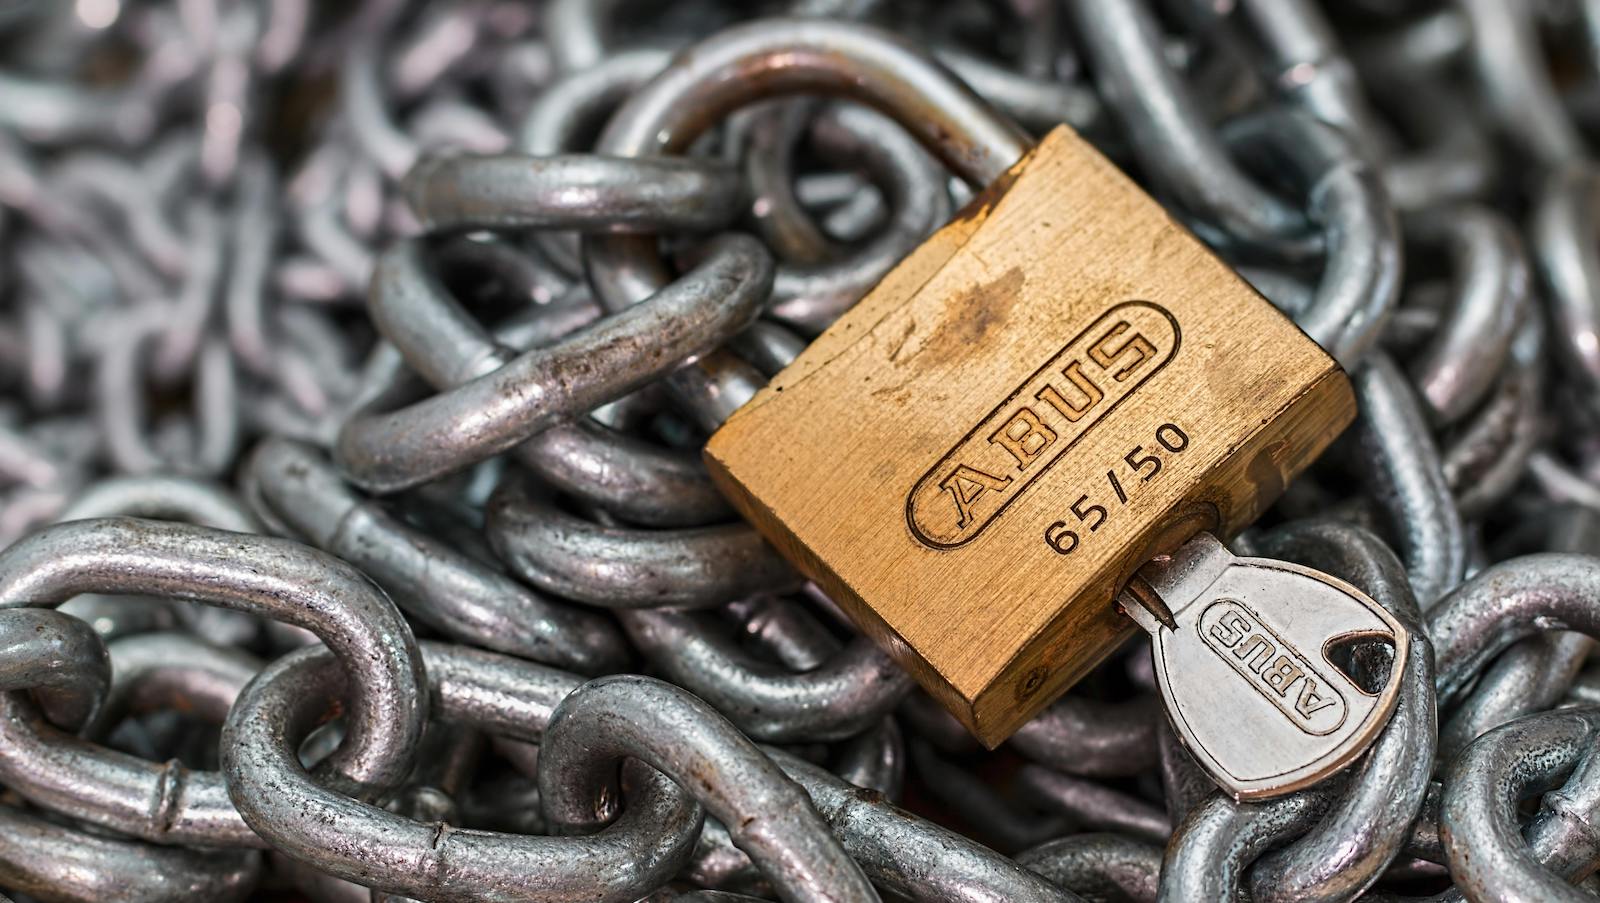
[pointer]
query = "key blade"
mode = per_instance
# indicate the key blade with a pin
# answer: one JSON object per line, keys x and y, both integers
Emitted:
{"x": 1172, "y": 581}
{"x": 1249, "y": 687}
{"x": 1183, "y": 576}
{"x": 1140, "y": 593}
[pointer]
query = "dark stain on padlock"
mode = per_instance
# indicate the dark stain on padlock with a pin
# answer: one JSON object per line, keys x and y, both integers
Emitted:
{"x": 1032, "y": 683}
{"x": 976, "y": 313}
{"x": 1266, "y": 473}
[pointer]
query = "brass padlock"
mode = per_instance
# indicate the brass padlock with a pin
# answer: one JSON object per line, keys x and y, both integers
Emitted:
{"x": 1060, "y": 385}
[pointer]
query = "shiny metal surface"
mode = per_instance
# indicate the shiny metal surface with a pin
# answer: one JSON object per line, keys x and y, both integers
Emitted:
{"x": 1244, "y": 657}
{"x": 355, "y": 360}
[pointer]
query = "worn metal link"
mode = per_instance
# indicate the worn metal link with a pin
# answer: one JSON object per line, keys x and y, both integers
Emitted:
{"x": 355, "y": 361}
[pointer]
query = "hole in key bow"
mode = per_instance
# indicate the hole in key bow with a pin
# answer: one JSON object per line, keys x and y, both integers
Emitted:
{"x": 1365, "y": 658}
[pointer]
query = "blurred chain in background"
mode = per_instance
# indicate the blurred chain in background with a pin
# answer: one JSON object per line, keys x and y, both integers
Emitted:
{"x": 345, "y": 409}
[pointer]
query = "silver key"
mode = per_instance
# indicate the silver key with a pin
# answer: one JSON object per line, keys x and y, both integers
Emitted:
{"x": 1242, "y": 654}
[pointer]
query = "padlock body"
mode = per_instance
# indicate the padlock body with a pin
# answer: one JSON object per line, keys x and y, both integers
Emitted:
{"x": 1060, "y": 384}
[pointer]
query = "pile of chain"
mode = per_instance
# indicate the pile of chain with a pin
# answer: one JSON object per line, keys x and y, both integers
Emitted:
{"x": 355, "y": 359}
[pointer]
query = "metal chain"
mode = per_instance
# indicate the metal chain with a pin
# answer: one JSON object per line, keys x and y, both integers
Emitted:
{"x": 355, "y": 359}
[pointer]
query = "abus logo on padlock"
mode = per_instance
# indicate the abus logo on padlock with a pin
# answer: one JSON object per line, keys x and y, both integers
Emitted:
{"x": 1041, "y": 421}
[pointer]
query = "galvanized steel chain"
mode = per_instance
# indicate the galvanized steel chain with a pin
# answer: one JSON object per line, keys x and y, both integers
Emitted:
{"x": 356, "y": 359}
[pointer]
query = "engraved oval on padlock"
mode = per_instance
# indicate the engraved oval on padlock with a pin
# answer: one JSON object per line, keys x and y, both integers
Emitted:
{"x": 1248, "y": 676}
